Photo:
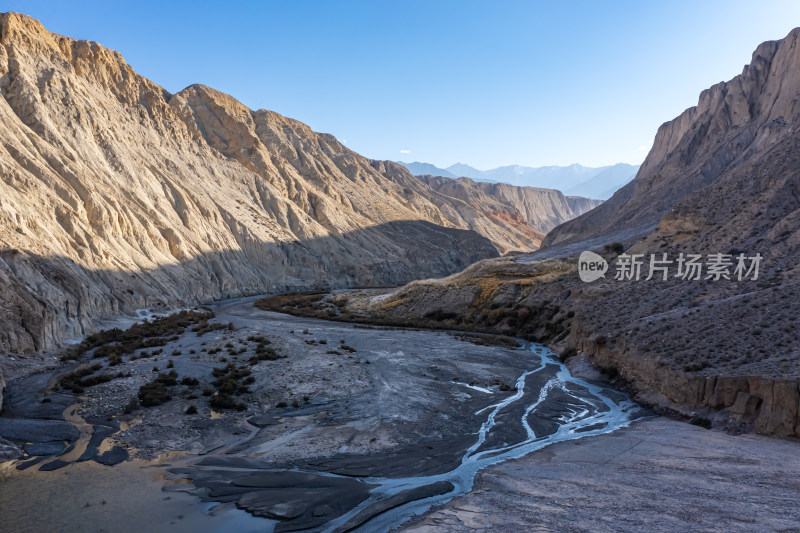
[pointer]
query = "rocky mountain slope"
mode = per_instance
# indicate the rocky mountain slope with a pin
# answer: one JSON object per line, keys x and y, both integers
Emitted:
{"x": 116, "y": 195}
{"x": 513, "y": 218}
{"x": 577, "y": 180}
{"x": 542, "y": 209}
{"x": 722, "y": 178}
{"x": 735, "y": 123}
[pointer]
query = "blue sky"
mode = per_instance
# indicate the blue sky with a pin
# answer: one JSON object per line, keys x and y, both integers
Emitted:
{"x": 484, "y": 83}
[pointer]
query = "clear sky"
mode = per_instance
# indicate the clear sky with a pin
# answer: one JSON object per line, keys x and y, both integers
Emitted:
{"x": 486, "y": 83}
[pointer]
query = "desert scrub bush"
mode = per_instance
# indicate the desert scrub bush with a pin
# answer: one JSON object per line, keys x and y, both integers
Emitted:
{"x": 152, "y": 394}
{"x": 167, "y": 379}
{"x": 291, "y": 303}
{"x": 228, "y": 380}
{"x": 205, "y": 327}
{"x": 224, "y": 400}
{"x": 147, "y": 334}
{"x": 264, "y": 353}
{"x": 81, "y": 378}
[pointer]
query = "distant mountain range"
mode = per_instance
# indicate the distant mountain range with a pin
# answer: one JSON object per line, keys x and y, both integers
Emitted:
{"x": 573, "y": 180}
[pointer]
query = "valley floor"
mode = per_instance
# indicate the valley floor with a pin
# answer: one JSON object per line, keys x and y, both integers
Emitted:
{"x": 347, "y": 408}
{"x": 656, "y": 475}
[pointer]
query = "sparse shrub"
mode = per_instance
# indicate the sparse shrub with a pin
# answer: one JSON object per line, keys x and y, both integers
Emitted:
{"x": 168, "y": 379}
{"x": 264, "y": 353}
{"x": 81, "y": 379}
{"x": 147, "y": 334}
{"x": 223, "y": 400}
{"x": 153, "y": 393}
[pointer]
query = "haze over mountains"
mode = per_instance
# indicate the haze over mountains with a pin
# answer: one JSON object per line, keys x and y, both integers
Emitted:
{"x": 573, "y": 180}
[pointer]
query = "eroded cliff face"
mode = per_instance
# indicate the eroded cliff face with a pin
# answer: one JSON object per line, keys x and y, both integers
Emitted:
{"x": 541, "y": 209}
{"x": 116, "y": 195}
{"x": 734, "y": 123}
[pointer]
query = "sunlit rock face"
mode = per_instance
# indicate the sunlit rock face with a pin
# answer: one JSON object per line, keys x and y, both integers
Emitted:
{"x": 117, "y": 195}
{"x": 722, "y": 152}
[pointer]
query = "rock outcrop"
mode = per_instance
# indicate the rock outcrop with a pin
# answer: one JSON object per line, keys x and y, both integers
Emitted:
{"x": 734, "y": 123}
